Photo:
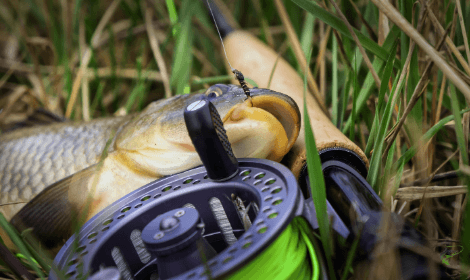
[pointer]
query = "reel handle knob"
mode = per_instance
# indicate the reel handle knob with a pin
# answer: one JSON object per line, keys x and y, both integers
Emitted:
{"x": 210, "y": 140}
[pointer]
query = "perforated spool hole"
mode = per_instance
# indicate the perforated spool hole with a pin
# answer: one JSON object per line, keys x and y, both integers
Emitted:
{"x": 196, "y": 182}
{"x": 257, "y": 182}
{"x": 227, "y": 259}
{"x": 270, "y": 182}
{"x": 167, "y": 188}
{"x": 121, "y": 216}
{"x": 187, "y": 181}
{"x": 177, "y": 188}
{"x": 138, "y": 205}
{"x": 266, "y": 209}
{"x": 246, "y": 178}
{"x": 260, "y": 175}
{"x": 276, "y": 190}
{"x": 81, "y": 249}
{"x": 147, "y": 197}
{"x": 93, "y": 241}
{"x": 72, "y": 262}
{"x": 246, "y": 245}
{"x": 268, "y": 198}
{"x": 273, "y": 215}
{"x": 277, "y": 201}
{"x": 158, "y": 195}
{"x": 105, "y": 229}
{"x": 91, "y": 235}
{"x": 107, "y": 222}
{"x": 125, "y": 209}
{"x": 245, "y": 172}
{"x": 262, "y": 230}
{"x": 265, "y": 189}
{"x": 71, "y": 273}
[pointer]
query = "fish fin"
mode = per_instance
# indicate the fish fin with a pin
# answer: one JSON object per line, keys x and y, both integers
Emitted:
{"x": 50, "y": 215}
{"x": 39, "y": 117}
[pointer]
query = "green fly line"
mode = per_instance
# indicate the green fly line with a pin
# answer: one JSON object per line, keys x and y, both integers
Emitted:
{"x": 290, "y": 256}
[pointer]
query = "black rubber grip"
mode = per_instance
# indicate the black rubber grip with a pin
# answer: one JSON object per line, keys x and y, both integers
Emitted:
{"x": 210, "y": 140}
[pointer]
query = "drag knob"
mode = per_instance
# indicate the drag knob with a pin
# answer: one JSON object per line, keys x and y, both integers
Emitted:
{"x": 210, "y": 140}
{"x": 175, "y": 239}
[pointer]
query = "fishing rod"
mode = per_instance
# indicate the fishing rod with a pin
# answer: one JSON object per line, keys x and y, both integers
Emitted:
{"x": 351, "y": 200}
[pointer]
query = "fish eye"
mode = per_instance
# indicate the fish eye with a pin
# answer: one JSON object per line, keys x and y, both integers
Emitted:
{"x": 213, "y": 92}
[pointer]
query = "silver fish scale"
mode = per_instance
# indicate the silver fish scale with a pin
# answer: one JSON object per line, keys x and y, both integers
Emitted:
{"x": 47, "y": 154}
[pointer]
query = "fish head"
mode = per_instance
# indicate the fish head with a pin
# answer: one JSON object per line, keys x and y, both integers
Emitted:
{"x": 157, "y": 142}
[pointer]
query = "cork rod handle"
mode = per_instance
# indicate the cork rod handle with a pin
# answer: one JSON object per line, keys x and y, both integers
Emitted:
{"x": 256, "y": 60}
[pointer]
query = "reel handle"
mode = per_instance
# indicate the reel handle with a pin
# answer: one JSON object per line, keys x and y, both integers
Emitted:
{"x": 210, "y": 140}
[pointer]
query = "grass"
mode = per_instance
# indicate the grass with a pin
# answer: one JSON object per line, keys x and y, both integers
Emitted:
{"x": 137, "y": 57}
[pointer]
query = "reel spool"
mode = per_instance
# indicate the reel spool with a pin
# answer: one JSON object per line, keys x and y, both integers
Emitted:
{"x": 207, "y": 222}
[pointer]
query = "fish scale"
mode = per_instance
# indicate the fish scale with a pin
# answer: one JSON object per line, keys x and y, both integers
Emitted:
{"x": 47, "y": 156}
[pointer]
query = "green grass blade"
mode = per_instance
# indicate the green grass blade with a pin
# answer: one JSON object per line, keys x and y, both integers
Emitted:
{"x": 373, "y": 134}
{"x": 350, "y": 258}
{"x": 317, "y": 183}
{"x": 354, "y": 97}
{"x": 251, "y": 82}
{"x": 428, "y": 135}
{"x": 386, "y": 77}
{"x": 182, "y": 59}
{"x": 334, "y": 82}
{"x": 387, "y": 73}
{"x": 170, "y": 4}
{"x": 458, "y": 125}
{"x": 306, "y": 38}
{"x": 337, "y": 24}
{"x": 369, "y": 81}
{"x": 212, "y": 80}
{"x": 15, "y": 238}
{"x": 465, "y": 234}
{"x": 375, "y": 163}
{"x": 98, "y": 98}
{"x": 398, "y": 176}
{"x": 139, "y": 88}
{"x": 343, "y": 102}
{"x": 272, "y": 71}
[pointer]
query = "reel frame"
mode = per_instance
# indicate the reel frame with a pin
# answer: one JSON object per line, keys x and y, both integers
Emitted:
{"x": 269, "y": 186}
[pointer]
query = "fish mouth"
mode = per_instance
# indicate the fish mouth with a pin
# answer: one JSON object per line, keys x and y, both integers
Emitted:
{"x": 282, "y": 107}
{"x": 265, "y": 125}
{"x": 278, "y": 104}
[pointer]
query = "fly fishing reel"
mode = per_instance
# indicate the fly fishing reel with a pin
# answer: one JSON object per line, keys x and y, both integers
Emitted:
{"x": 207, "y": 222}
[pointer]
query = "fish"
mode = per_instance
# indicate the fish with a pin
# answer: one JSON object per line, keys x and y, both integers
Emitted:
{"x": 49, "y": 173}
